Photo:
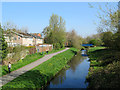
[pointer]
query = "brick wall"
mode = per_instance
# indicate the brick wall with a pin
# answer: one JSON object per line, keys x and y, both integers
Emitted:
{"x": 44, "y": 48}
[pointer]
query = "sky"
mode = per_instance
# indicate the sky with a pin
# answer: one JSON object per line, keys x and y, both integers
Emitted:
{"x": 35, "y": 15}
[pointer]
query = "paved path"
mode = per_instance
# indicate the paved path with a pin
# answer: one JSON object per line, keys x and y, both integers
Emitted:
{"x": 9, "y": 77}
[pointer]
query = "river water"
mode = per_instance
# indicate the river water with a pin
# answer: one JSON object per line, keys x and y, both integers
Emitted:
{"x": 73, "y": 77}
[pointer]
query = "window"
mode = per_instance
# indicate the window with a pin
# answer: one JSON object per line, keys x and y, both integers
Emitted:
{"x": 18, "y": 37}
{"x": 37, "y": 50}
{"x": 30, "y": 44}
{"x": 15, "y": 38}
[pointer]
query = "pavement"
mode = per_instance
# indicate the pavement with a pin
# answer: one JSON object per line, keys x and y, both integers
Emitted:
{"x": 14, "y": 74}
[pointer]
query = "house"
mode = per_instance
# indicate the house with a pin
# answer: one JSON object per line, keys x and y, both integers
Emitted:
{"x": 20, "y": 38}
{"x": 37, "y": 38}
{"x": 13, "y": 39}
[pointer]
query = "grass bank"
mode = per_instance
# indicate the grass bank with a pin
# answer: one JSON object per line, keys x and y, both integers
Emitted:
{"x": 40, "y": 75}
{"x": 104, "y": 69}
{"x": 27, "y": 60}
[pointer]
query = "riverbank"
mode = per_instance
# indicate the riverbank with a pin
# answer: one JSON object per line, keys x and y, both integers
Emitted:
{"x": 40, "y": 75}
{"x": 27, "y": 60}
{"x": 72, "y": 77}
{"x": 104, "y": 71}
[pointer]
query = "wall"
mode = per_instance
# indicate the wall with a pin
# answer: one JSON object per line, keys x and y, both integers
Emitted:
{"x": 44, "y": 48}
{"x": 15, "y": 40}
{"x": 39, "y": 41}
{"x": 27, "y": 41}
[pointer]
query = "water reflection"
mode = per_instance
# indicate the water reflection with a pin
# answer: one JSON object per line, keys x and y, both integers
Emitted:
{"x": 76, "y": 60}
{"x": 75, "y": 76}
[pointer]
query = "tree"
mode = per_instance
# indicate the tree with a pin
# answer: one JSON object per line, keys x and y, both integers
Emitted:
{"x": 110, "y": 25}
{"x": 94, "y": 39}
{"x": 73, "y": 39}
{"x": 55, "y": 32}
{"x": 3, "y": 45}
{"x": 107, "y": 38}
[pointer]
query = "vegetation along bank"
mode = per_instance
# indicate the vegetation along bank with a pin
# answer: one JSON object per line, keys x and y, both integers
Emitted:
{"x": 40, "y": 75}
{"x": 104, "y": 69}
{"x": 27, "y": 60}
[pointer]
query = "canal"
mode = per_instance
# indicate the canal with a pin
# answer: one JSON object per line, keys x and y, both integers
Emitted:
{"x": 73, "y": 77}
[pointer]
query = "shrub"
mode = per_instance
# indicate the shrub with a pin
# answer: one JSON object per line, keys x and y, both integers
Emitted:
{"x": 3, "y": 45}
{"x": 94, "y": 42}
{"x": 56, "y": 46}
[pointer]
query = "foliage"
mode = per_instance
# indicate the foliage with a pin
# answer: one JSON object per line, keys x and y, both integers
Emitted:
{"x": 40, "y": 75}
{"x": 55, "y": 32}
{"x": 116, "y": 41}
{"x": 3, "y": 45}
{"x": 107, "y": 39}
{"x": 104, "y": 69}
{"x": 56, "y": 46}
{"x": 18, "y": 48}
{"x": 15, "y": 54}
{"x": 94, "y": 42}
{"x": 73, "y": 39}
{"x": 94, "y": 39}
{"x": 30, "y": 46}
{"x": 109, "y": 25}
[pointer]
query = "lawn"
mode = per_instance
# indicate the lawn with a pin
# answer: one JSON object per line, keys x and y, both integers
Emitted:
{"x": 27, "y": 60}
{"x": 104, "y": 69}
{"x": 40, "y": 75}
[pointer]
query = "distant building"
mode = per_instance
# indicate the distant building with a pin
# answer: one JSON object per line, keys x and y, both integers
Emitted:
{"x": 25, "y": 39}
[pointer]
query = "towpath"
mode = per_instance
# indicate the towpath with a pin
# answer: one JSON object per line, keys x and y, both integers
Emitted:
{"x": 9, "y": 77}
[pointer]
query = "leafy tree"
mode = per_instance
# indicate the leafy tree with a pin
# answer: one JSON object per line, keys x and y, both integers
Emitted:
{"x": 107, "y": 39}
{"x": 74, "y": 40}
{"x": 55, "y": 32}
{"x": 3, "y": 45}
{"x": 94, "y": 38}
{"x": 110, "y": 25}
{"x": 94, "y": 42}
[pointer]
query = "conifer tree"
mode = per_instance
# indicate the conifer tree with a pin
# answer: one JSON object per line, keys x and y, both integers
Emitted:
{"x": 3, "y": 45}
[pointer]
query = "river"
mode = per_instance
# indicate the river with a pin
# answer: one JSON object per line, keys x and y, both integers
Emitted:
{"x": 73, "y": 77}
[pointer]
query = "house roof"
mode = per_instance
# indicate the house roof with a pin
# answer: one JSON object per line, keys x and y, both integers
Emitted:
{"x": 37, "y": 35}
{"x": 27, "y": 35}
{"x": 24, "y": 34}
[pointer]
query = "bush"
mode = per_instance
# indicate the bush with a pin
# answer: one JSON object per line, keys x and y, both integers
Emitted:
{"x": 62, "y": 45}
{"x": 15, "y": 54}
{"x": 18, "y": 49}
{"x": 116, "y": 41}
{"x": 107, "y": 39}
{"x": 94, "y": 42}
{"x": 56, "y": 46}
{"x": 30, "y": 47}
{"x": 3, "y": 45}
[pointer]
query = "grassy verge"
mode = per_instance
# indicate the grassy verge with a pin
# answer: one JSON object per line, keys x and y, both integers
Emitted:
{"x": 104, "y": 69}
{"x": 27, "y": 60}
{"x": 40, "y": 75}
